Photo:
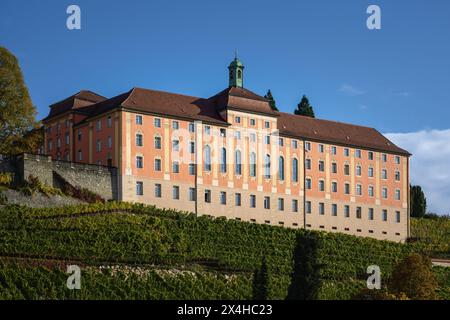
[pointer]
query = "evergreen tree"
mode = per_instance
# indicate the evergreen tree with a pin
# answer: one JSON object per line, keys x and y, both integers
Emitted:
{"x": 272, "y": 102}
{"x": 261, "y": 282}
{"x": 304, "y": 108}
{"x": 305, "y": 279}
{"x": 418, "y": 202}
{"x": 17, "y": 113}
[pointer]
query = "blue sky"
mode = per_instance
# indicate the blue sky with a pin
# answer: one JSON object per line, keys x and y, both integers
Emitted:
{"x": 396, "y": 79}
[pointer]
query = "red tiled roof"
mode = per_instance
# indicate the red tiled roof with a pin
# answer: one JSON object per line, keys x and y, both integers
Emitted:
{"x": 77, "y": 101}
{"x": 335, "y": 132}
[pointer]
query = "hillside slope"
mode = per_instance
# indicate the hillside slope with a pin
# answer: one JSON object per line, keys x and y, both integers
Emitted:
{"x": 139, "y": 252}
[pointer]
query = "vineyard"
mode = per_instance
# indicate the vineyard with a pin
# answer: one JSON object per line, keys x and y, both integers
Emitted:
{"x": 131, "y": 251}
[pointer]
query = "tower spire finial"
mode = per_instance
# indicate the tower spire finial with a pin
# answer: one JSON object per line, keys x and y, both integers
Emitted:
{"x": 235, "y": 54}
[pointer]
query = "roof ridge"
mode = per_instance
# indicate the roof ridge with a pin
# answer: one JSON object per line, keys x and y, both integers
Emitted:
{"x": 326, "y": 120}
{"x": 167, "y": 92}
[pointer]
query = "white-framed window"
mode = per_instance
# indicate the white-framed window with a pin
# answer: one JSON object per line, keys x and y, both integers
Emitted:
{"x": 158, "y": 190}
{"x": 267, "y": 124}
{"x": 109, "y": 122}
{"x": 252, "y": 122}
{"x": 358, "y": 212}
{"x": 67, "y": 138}
{"x": 308, "y": 184}
{"x": 334, "y": 168}
{"x": 347, "y": 211}
{"x": 397, "y": 216}
{"x": 252, "y": 164}
{"x": 384, "y": 174}
{"x": 384, "y": 157}
{"x": 138, "y": 119}
{"x": 280, "y": 142}
{"x": 223, "y": 132}
{"x": 397, "y": 194}
{"x": 176, "y": 193}
{"x": 295, "y": 205}
{"x": 384, "y": 193}
{"x": 281, "y": 168}
{"x": 223, "y": 160}
{"x": 237, "y": 199}
{"x": 207, "y": 130}
{"x": 223, "y": 197}
{"x": 397, "y": 159}
{"x": 370, "y": 190}
{"x": 99, "y": 124}
{"x": 99, "y": 145}
{"x": 109, "y": 142}
{"x": 370, "y": 172}
{"x": 191, "y": 127}
{"x": 280, "y": 204}
{"x": 157, "y": 165}
{"x": 175, "y": 125}
{"x": 397, "y": 175}
{"x": 308, "y": 145}
{"x": 308, "y": 207}
{"x": 334, "y": 186}
{"x": 333, "y": 150}
{"x": 139, "y": 140}
{"x": 237, "y": 119}
{"x": 252, "y": 137}
{"x": 157, "y": 142}
{"x": 267, "y": 166}
{"x": 334, "y": 209}
{"x": 358, "y": 153}
{"x": 139, "y": 188}
{"x": 237, "y": 135}
{"x": 321, "y": 165}
{"x": 359, "y": 189}
{"x": 157, "y": 123}
{"x": 192, "y": 194}
{"x": 176, "y": 145}
{"x": 346, "y": 152}
{"x": 321, "y": 148}
{"x": 267, "y": 203}
{"x": 294, "y": 144}
{"x": 294, "y": 170}
{"x": 139, "y": 162}
{"x": 358, "y": 170}
{"x": 207, "y": 154}
{"x": 347, "y": 188}
{"x": 321, "y": 185}
{"x": 191, "y": 169}
{"x": 237, "y": 162}
{"x": 192, "y": 147}
{"x": 267, "y": 139}
{"x": 175, "y": 167}
{"x": 252, "y": 201}
{"x": 308, "y": 164}
{"x": 321, "y": 208}
{"x": 384, "y": 215}
{"x": 347, "y": 169}
{"x": 80, "y": 155}
{"x": 370, "y": 214}
{"x": 208, "y": 196}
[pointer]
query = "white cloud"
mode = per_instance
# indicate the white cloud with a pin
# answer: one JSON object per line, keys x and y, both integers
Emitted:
{"x": 351, "y": 90}
{"x": 430, "y": 164}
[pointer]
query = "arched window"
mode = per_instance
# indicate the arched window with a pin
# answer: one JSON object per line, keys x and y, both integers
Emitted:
{"x": 207, "y": 158}
{"x": 239, "y": 74}
{"x": 281, "y": 169}
{"x": 267, "y": 166}
{"x": 252, "y": 164}
{"x": 223, "y": 160}
{"x": 238, "y": 162}
{"x": 295, "y": 170}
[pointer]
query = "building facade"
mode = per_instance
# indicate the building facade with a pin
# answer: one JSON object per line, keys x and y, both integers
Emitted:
{"x": 232, "y": 155}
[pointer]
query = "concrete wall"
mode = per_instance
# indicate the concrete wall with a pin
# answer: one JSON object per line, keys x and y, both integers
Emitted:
{"x": 98, "y": 179}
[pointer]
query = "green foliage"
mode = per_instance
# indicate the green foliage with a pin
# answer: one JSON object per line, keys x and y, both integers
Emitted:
{"x": 217, "y": 250}
{"x": 304, "y": 108}
{"x": 17, "y": 113}
{"x": 261, "y": 282}
{"x": 413, "y": 277}
{"x": 418, "y": 202}
{"x": 432, "y": 236}
{"x": 272, "y": 102}
{"x": 305, "y": 282}
{"x": 34, "y": 185}
{"x": 6, "y": 179}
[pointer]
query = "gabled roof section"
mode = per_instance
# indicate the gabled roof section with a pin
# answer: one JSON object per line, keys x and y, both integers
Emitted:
{"x": 335, "y": 132}
{"x": 77, "y": 101}
{"x": 244, "y": 100}
{"x": 163, "y": 103}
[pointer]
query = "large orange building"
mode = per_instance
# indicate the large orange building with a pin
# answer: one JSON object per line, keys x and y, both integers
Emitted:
{"x": 232, "y": 155}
